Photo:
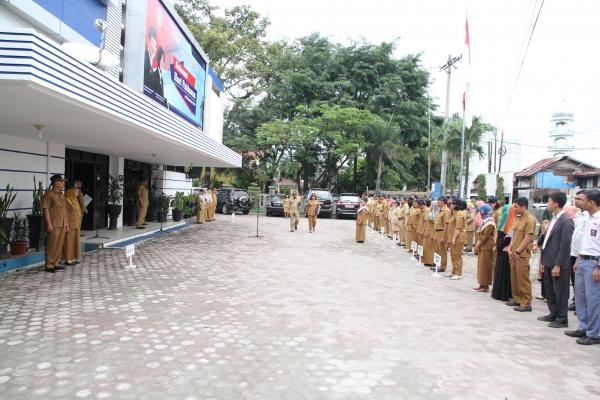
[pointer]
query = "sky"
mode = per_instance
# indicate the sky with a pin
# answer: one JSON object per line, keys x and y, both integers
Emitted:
{"x": 558, "y": 72}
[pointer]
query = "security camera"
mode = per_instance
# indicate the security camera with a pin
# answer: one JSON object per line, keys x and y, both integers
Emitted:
{"x": 100, "y": 24}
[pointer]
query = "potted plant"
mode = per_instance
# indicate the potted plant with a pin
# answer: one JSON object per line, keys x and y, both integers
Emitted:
{"x": 114, "y": 194}
{"x": 130, "y": 202}
{"x": 19, "y": 243}
{"x": 164, "y": 201}
{"x": 6, "y": 223}
{"x": 35, "y": 220}
{"x": 178, "y": 205}
{"x": 190, "y": 205}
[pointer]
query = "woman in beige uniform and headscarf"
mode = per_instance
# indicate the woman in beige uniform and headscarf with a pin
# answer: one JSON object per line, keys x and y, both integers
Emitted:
{"x": 72, "y": 249}
{"x": 361, "y": 222}
{"x": 312, "y": 210}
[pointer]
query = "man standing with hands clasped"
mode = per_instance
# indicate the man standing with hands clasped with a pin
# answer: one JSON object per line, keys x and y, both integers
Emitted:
{"x": 57, "y": 225}
{"x": 555, "y": 263}
{"x": 519, "y": 254}
{"x": 587, "y": 273}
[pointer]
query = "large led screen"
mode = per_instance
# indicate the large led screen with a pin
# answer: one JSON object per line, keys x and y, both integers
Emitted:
{"x": 174, "y": 72}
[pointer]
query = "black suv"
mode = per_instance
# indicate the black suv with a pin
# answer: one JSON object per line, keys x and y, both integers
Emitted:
{"x": 231, "y": 199}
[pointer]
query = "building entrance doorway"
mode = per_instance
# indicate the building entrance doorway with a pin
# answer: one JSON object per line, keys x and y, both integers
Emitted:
{"x": 92, "y": 170}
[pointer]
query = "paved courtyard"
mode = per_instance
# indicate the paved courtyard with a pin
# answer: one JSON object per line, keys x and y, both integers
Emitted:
{"x": 213, "y": 312}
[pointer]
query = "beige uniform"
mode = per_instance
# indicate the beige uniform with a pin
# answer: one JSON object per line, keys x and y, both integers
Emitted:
{"x": 361, "y": 223}
{"x": 428, "y": 245}
{"x": 439, "y": 236}
{"x": 56, "y": 207}
{"x": 458, "y": 225}
{"x": 72, "y": 247}
{"x": 142, "y": 203}
{"x": 201, "y": 206}
{"x": 294, "y": 213}
{"x": 311, "y": 213}
{"x": 519, "y": 265}
{"x": 486, "y": 244}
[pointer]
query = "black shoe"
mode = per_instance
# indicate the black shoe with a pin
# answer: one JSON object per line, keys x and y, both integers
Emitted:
{"x": 69, "y": 264}
{"x": 140, "y": 227}
{"x": 51, "y": 270}
{"x": 522, "y": 308}
{"x": 144, "y": 224}
{"x": 557, "y": 324}
{"x": 588, "y": 340}
{"x": 572, "y": 306}
{"x": 578, "y": 333}
{"x": 511, "y": 303}
{"x": 59, "y": 267}
{"x": 546, "y": 318}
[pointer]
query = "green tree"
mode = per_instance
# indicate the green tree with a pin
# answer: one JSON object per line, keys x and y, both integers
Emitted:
{"x": 481, "y": 191}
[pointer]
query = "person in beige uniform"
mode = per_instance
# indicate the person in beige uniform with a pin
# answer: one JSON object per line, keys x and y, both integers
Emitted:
{"x": 471, "y": 214}
{"x": 294, "y": 212}
{"x": 213, "y": 203}
{"x": 286, "y": 206}
{"x": 428, "y": 246}
{"x": 371, "y": 208}
{"x": 519, "y": 254}
{"x": 378, "y": 210}
{"x": 142, "y": 203}
{"x": 55, "y": 215}
{"x": 72, "y": 247}
{"x": 201, "y": 205}
{"x": 361, "y": 222}
{"x": 439, "y": 235}
{"x": 458, "y": 227}
{"x": 312, "y": 210}
{"x": 486, "y": 245}
{"x": 402, "y": 212}
{"x": 410, "y": 233}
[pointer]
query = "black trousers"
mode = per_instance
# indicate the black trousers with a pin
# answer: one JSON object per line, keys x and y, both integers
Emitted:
{"x": 557, "y": 292}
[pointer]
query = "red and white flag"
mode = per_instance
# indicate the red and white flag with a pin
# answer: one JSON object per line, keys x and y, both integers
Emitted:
{"x": 465, "y": 100}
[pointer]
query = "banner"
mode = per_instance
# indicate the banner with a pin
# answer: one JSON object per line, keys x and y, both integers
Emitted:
{"x": 174, "y": 71}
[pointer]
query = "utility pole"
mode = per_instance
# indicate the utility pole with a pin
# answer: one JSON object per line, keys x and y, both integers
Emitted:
{"x": 429, "y": 144}
{"x": 448, "y": 68}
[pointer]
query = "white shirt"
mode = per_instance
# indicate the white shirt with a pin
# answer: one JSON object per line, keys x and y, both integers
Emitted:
{"x": 552, "y": 222}
{"x": 579, "y": 221}
{"x": 590, "y": 241}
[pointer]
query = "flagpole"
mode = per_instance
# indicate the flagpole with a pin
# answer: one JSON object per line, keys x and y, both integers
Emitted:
{"x": 463, "y": 183}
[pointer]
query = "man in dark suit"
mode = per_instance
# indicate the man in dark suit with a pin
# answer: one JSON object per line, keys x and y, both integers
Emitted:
{"x": 555, "y": 262}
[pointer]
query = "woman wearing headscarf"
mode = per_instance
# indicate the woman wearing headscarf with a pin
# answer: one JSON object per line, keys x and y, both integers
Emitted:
{"x": 485, "y": 248}
{"x": 501, "y": 289}
{"x": 72, "y": 250}
{"x": 361, "y": 222}
{"x": 478, "y": 220}
{"x": 312, "y": 210}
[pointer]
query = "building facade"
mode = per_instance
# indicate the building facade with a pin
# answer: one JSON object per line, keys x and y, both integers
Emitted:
{"x": 92, "y": 88}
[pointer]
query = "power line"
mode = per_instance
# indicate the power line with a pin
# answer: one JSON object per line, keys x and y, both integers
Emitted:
{"x": 522, "y": 63}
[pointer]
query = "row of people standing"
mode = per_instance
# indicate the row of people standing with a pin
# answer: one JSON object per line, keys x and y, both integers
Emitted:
{"x": 504, "y": 245}
{"x": 63, "y": 213}
{"x": 206, "y": 205}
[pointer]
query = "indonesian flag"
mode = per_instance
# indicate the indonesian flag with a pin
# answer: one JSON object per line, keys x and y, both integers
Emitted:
{"x": 465, "y": 100}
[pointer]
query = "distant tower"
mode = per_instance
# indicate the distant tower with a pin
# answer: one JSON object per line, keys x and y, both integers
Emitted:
{"x": 561, "y": 133}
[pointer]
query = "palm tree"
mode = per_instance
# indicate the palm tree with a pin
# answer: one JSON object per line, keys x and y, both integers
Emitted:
{"x": 473, "y": 135}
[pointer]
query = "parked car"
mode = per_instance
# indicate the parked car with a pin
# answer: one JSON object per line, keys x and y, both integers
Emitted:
{"x": 231, "y": 199}
{"x": 325, "y": 201}
{"x": 275, "y": 204}
{"x": 347, "y": 205}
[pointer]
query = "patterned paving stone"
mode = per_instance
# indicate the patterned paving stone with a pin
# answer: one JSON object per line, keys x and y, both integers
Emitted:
{"x": 213, "y": 312}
